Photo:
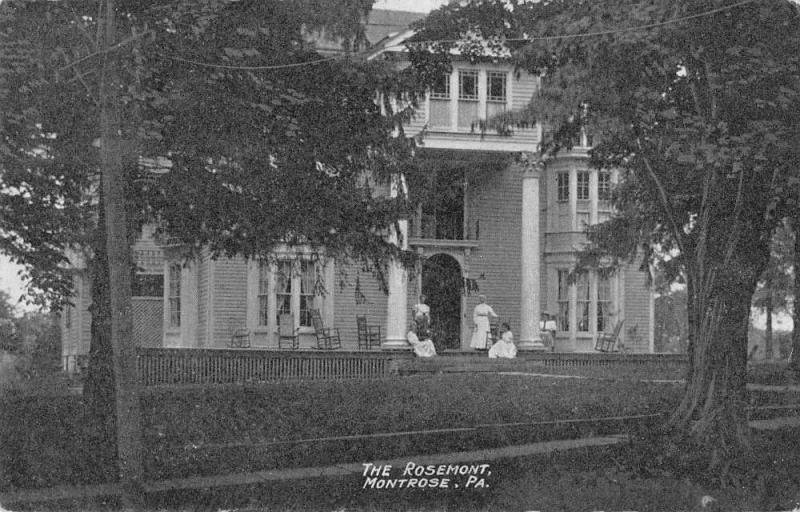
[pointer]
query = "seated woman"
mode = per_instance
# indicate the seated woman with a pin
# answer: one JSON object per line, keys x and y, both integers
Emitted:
{"x": 505, "y": 347}
{"x": 421, "y": 348}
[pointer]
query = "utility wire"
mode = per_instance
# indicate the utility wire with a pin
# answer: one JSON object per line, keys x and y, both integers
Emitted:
{"x": 433, "y": 41}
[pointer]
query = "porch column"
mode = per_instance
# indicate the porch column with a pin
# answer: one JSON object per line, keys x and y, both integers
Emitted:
{"x": 529, "y": 338}
{"x": 397, "y": 303}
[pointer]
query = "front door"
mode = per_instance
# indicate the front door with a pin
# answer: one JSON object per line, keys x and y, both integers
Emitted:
{"x": 442, "y": 284}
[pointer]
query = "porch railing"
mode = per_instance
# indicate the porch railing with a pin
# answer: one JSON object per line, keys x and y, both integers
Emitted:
{"x": 165, "y": 366}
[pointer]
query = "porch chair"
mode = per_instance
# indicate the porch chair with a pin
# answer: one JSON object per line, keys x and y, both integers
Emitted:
{"x": 494, "y": 332}
{"x": 607, "y": 341}
{"x": 368, "y": 335}
{"x": 240, "y": 339}
{"x": 327, "y": 337}
{"x": 287, "y": 332}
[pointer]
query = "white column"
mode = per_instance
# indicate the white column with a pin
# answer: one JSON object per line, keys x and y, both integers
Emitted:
{"x": 529, "y": 338}
{"x": 397, "y": 303}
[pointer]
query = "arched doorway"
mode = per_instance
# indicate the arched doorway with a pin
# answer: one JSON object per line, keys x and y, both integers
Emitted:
{"x": 442, "y": 284}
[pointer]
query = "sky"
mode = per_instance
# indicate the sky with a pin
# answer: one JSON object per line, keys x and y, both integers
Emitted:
{"x": 409, "y": 5}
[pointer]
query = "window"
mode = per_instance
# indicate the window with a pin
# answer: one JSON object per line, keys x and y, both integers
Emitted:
{"x": 263, "y": 294}
{"x": 174, "y": 297}
{"x": 441, "y": 88}
{"x": 67, "y": 317}
{"x": 583, "y": 186}
{"x": 603, "y": 304}
{"x": 308, "y": 279}
{"x": 563, "y": 300}
{"x": 562, "y": 185}
{"x": 283, "y": 288}
{"x": 296, "y": 285}
{"x": 604, "y": 186}
{"x": 147, "y": 285}
{"x": 496, "y": 86}
{"x": 584, "y": 299}
{"x": 468, "y": 85}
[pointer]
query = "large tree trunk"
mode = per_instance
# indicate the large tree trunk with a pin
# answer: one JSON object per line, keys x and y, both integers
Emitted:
{"x": 99, "y": 385}
{"x": 713, "y": 411}
{"x": 712, "y": 415}
{"x": 126, "y": 392}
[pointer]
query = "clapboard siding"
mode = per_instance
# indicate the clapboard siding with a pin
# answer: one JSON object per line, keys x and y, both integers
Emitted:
{"x": 230, "y": 299}
{"x": 203, "y": 291}
{"x": 373, "y": 306}
{"x": 496, "y": 204}
{"x": 637, "y": 310}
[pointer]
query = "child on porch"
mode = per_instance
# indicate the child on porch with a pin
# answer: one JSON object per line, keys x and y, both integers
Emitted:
{"x": 505, "y": 347}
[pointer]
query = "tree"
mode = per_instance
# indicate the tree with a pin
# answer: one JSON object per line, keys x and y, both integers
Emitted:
{"x": 697, "y": 108}
{"x": 253, "y": 122}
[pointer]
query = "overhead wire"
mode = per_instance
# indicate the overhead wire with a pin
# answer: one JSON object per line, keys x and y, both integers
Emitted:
{"x": 435, "y": 41}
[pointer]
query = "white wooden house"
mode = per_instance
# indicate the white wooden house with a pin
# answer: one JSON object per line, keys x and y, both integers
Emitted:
{"x": 512, "y": 229}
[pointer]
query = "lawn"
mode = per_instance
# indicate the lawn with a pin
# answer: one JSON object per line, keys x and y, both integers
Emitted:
{"x": 217, "y": 430}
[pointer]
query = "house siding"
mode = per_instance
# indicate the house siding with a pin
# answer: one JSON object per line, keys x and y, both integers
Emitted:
{"x": 637, "y": 310}
{"x": 373, "y": 307}
{"x": 229, "y": 300}
{"x": 495, "y": 203}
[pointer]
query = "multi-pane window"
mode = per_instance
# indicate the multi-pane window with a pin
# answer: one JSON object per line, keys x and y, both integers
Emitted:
{"x": 308, "y": 278}
{"x": 583, "y": 186}
{"x": 603, "y": 304}
{"x": 295, "y": 289}
{"x": 468, "y": 85}
{"x": 263, "y": 293}
{"x": 563, "y": 300}
{"x": 604, "y": 186}
{"x": 583, "y": 300}
{"x": 283, "y": 288}
{"x": 441, "y": 87}
{"x": 496, "y": 86}
{"x": 562, "y": 186}
{"x": 174, "y": 295}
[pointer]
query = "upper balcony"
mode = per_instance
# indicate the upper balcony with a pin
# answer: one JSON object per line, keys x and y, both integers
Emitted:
{"x": 464, "y": 110}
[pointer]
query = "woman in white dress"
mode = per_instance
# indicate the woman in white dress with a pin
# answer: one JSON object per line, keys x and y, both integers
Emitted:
{"x": 480, "y": 319}
{"x": 422, "y": 348}
{"x": 505, "y": 347}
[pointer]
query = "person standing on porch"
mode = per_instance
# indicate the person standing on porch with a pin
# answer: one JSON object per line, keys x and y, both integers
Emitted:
{"x": 480, "y": 320}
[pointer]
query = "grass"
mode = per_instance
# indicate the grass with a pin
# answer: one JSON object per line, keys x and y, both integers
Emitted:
{"x": 184, "y": 428}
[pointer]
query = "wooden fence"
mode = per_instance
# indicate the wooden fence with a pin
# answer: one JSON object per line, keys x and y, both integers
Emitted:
{"x": 181, "y": 366}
